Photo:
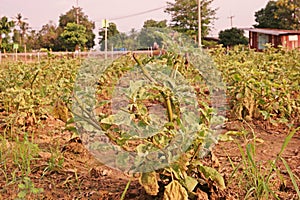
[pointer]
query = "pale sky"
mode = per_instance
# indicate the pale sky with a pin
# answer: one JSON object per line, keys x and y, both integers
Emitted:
{"x": 40, "y": 12}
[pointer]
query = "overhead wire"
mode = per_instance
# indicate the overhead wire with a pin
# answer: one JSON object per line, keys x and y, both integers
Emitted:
{"x": 137, "y": 14}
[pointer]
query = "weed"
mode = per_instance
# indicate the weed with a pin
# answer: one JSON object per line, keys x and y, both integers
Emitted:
{"x": 257, "y": 182}
{"x": 55, "y": 162}
{"x": 257, "y": 178}
{"x": 23, "y": 153}
{"x": 291, "y": 174}
{"x": 27, "y": 188}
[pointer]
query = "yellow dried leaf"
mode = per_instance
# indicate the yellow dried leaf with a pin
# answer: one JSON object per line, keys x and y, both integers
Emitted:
{"x": 149, "y": 182}
{"x": 213, "y": 175}
{"x": 60, "y": 111}
{"x": 175, "y": 191}
{"x": 190, "y": 183}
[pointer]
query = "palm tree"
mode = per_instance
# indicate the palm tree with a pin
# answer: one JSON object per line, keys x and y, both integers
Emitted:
{"x": 5, "y": 28}
{"x": 23, "y": 25}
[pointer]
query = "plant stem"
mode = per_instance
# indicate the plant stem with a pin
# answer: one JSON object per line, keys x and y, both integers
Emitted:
{"x": 146, "y": 73}
{"x": 125, "y": 190}
{"x": 169, "y": 108}
{"x": 166, "y": 97}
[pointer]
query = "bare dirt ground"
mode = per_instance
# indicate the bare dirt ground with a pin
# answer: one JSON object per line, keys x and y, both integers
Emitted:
{"x": 80, "y": 176}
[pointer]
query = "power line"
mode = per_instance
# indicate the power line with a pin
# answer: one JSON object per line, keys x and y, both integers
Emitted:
{"x": 136, "y": 14}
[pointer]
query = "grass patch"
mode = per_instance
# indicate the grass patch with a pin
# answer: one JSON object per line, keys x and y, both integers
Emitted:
{"x": 257, "y": 178}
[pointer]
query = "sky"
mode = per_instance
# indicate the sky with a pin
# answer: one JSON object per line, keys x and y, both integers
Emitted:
{"x": 40, "y": 12}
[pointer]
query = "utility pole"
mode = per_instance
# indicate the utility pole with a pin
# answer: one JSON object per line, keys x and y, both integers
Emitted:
{"x": 77, "y": 47}
{"x": 199, "y": 24}
{"x": 231, "y": 17}
{"x": 105, "y": 41}
{"x": 77, "y": 12}
{"x": 105, "y": 26}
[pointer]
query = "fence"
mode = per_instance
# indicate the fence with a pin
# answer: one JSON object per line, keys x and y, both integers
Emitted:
{"x": 37, "y": 56}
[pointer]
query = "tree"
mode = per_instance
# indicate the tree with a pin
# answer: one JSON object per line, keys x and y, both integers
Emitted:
{"x": 133, "y": 34}
{"x": 281, "y": 14}
{"x": 71, "y": 17}
{"x": 152, "y": 23}
{"x": 32, "y": 40}
{"x": 125, "y": 41}
{"x": 74, "y": 35}
{"x": 23, "y": 26}
{"x": 184, "y": 14}
{"x": 268, "y": 17}
{"x": 112, "y": 31}
{"x": 5, "y": 29}
{"x": 48, "y": 37}
{"x": 147, "y": 37}
{"x": 130, "y": 42}
{"x": 232, "y": 37}
{"x": 16, "y": 37}
{"x": 289, "y": 13}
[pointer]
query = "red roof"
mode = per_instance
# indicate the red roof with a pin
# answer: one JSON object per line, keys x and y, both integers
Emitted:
{"x": 273, "y": 31}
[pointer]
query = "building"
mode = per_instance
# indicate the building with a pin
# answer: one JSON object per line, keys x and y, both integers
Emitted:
{"x": 258, "y": 37}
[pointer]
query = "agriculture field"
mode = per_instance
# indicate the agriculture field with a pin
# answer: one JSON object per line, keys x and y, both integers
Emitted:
{"x": 256, "y": 155}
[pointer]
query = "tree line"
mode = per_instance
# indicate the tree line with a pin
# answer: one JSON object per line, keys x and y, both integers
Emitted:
{"x": 75, "y": 30}
{"x": 66, "y": 36}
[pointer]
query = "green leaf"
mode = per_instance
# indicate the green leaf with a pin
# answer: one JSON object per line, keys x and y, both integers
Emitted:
{"x": 235, "y": 133}
{"x": 237, "y": 77}
{"x": 225, "y": 138}
{"x": 70, "y": 121}
{"x": 72, "y": 129}
{"x": 191, "y": 183}
{"x": 287, "y": 140}
{"x": 149, "y": 181}
{"x": 265, "y": 114}
{"x": 36, "y": 190}
{"x": 213, "y": 175}
{"x": 118, "y": 119}
{"x": 176, "y": 171}
{"x": 142, "y": 149}
{"x": 22, "y": 194}
{"x": 291, "y": 176}
{"x": 22, "y": 186}
{"x": 175, "y": 191}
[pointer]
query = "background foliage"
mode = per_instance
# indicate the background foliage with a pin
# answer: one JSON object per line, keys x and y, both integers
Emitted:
{"x": 184, "y": 14}
{"x": 281, "y": 14}
{"x": 232, "y": 37}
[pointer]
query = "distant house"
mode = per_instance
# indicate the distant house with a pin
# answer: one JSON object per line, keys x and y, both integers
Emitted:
{"x": 210, "y": 42}
{"x": 212, "y": 39}
{"x": 258, "y": 37}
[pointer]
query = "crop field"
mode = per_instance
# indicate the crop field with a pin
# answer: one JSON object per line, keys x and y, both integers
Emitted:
{"x": 255, "y": 154}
